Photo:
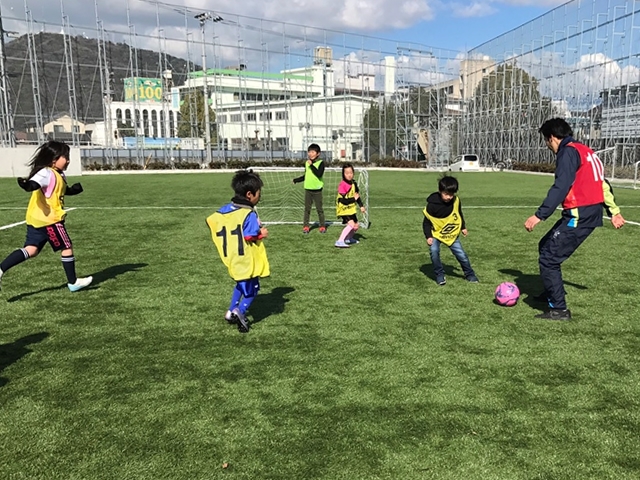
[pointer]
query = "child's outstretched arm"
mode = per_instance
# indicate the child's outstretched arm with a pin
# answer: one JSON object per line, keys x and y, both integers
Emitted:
{"x": 74, "y": 189}
{"x": 28, "y": 185}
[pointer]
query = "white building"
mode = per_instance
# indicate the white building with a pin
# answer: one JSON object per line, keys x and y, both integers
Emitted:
{"x": 286, "y": 110}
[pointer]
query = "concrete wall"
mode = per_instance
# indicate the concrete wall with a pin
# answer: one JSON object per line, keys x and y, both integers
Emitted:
{"x": 13, "y": 162}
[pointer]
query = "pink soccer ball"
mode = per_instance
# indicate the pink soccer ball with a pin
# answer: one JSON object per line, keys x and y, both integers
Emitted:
{"x": 507, "y": 294}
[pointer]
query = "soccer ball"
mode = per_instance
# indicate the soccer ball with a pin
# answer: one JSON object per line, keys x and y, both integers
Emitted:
{"x": 507, "y": 294}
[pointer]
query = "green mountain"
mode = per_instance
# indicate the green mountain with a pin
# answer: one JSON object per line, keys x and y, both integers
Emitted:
{"x": 52, "y": 75}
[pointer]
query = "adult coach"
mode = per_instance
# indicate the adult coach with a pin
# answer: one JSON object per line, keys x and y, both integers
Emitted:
{"x": 580, "y": 187}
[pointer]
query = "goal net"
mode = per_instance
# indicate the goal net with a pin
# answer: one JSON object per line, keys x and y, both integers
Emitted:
{"x": 282, "y": 201}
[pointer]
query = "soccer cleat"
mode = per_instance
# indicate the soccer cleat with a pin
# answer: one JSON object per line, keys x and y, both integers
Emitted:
{"x": 340, "y": 244}
{"x": 322, "y": 229}
{"x": 80, "y": 284}
{"x": 441, "y": 280}
{"x": 351, "y": 241}
{"x": 229, "y": 317}
{"x": 472, "y": 279}
{"x": 305, "y": 230}
{"x": 241, "y": 320}
{"x": 556, "y": 314}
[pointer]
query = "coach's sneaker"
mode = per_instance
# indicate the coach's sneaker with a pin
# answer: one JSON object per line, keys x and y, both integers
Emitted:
{"x": 556, "y": 314}
{"x": 305, "y": 230}
{"x": 472, "y": 279}
{"x": 229, "y": 317}
{"x": 80, "y": 284}
{"x": 340, "y": 244}
{"x": 241, "y": 320}
{"x": 441, "y": 280}
{"x": 322, "y": 229}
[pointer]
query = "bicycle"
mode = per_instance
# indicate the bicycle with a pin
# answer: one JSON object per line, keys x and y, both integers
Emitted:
{"x": 501, "y": 165}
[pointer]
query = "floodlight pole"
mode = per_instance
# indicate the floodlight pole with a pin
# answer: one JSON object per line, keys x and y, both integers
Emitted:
{"x": 203, "y": 18}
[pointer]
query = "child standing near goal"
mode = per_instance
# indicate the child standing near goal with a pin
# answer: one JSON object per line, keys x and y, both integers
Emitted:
{"x": 346, "y": 201}
{"x": 45, "y": 213}
{"x": 313, "y": 185}
{"x": 443, "y": 223}
{"x": 237, "y": 235}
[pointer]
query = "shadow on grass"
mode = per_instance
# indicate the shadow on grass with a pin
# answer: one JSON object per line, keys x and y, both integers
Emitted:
{"x": 270, "y": 304}
{"x": 449, "y": 271}
{"x": 531, "y": 286}
{"x": 98, "y": 278}
{"x": 10, "y": 353}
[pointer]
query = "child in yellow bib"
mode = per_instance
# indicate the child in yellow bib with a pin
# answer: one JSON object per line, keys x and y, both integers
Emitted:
{"x": 443, "y": 222}
{"x": 237, "y": 234}
{"x": 347, "y": 204}
{"x": 45, "y": 213}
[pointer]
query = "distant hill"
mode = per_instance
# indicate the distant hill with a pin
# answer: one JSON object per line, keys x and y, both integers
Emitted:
{"x": 53, "y": 78}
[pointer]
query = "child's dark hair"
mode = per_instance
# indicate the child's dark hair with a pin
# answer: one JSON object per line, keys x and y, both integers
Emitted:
{"x": 314, "y": 147}
{"x": 448, "y": 184}
{"x": 557, "y": 127}
{"x": 246, "y": 181}
{"x": 344, "y": 167}
{"x": 46, "y": 154}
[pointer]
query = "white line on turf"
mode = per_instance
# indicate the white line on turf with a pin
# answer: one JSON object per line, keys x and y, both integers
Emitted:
{"x": 17, "y": 224}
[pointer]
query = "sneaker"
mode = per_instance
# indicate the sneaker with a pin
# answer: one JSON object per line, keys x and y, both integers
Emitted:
{"x": 441, "y": 280}
{"x": 229, "y": 317}
{"x": 340, "y": 244}
{"x": 305, "y": 230}
{"x": 80, "y": 284}
{"x": 472, "y": 279}
{"x": 241, "y": 320}
{"x": 322, "y": 229}
{"x": 351, "y": 241}
{"x": 556, "y": 314}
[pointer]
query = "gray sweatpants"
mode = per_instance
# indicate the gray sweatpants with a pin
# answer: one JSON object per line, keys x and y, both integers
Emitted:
{"x": 313, "y": 196}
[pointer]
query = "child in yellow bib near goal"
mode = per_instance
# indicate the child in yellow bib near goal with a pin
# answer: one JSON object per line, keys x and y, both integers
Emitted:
{"x": 347, "y": 204}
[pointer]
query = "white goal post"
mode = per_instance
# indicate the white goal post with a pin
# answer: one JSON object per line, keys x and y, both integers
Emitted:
{"x": 282, "y": 201}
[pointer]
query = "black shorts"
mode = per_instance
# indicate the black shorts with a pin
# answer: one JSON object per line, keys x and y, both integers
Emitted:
{"x": 347, "y": 218}
{"x": 55, "y": 234}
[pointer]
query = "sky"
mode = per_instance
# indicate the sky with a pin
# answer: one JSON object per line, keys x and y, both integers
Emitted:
{"x": 456, "y": 25}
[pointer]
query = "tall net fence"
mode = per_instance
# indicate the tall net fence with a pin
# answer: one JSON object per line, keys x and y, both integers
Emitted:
{"x": 129, "y": 86}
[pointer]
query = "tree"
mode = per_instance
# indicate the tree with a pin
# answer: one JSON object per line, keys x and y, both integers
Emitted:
{"x": 125, "y": 130}
{"x": 379, "y": 125}
{"x": 504, "y": 115}
{"x": 192, "y": 109}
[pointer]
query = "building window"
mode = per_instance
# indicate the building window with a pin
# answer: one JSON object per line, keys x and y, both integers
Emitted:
{"x": 221, "y": 119}
{"x": 282, "y": 115}
{"x": 265, "y": 116}
{"x": 58, "y": 129}
{"x": 251, "y": 117}
{"x": 283, "y": 143}
{"x": 236, "y": 118}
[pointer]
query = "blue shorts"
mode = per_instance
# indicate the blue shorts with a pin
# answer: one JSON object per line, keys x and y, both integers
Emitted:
{"x": 55, "y": 234}
{"x": 249, "y": 288}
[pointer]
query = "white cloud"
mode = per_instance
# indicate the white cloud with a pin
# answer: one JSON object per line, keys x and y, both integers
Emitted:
{"x": 475, "y": 9}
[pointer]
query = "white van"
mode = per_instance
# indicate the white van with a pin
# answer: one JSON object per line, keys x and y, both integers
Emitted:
{"x": 465, "y": 163}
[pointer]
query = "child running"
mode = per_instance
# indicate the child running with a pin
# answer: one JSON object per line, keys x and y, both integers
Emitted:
{"x": 348, "y": 197}
{"x": 238, "y": 235}
{"x": 45, "y": 213}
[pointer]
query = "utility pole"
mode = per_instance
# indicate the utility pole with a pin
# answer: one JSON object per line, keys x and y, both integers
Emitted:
{"x": 8, "y": 131}
{"x": 203, "y": 18}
